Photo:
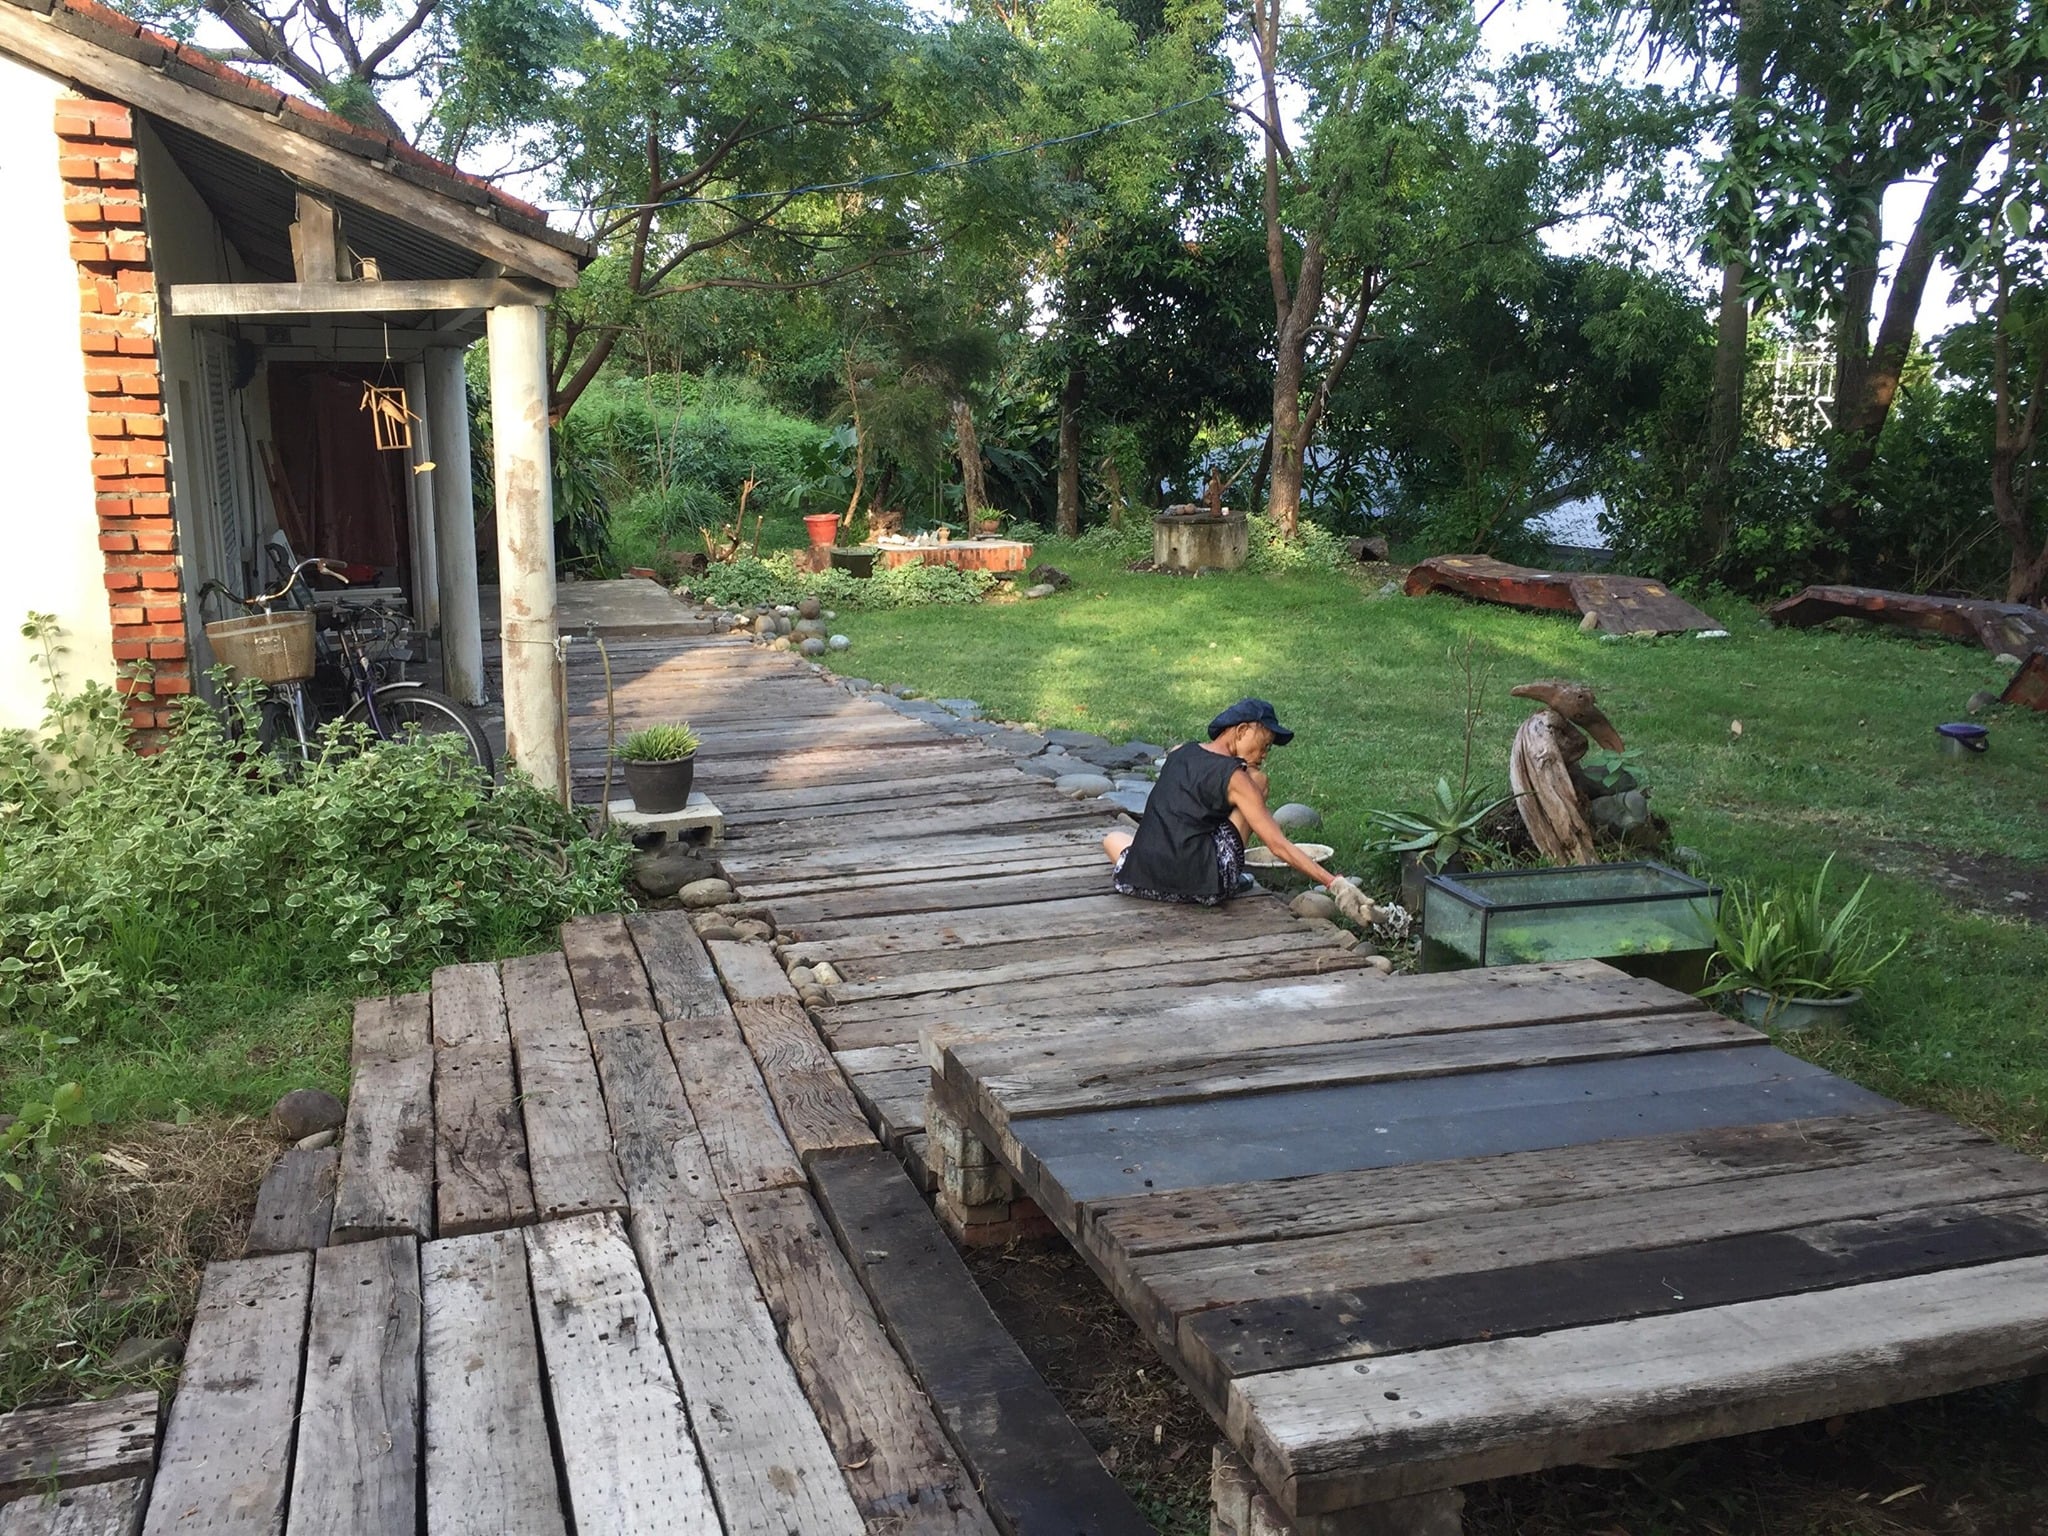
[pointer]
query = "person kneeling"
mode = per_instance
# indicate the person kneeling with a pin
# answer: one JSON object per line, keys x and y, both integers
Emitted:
{"x": 1210, "y": 801}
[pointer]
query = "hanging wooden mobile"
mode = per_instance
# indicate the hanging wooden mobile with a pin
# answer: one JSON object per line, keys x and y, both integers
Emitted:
{"x": 391, "y": 415}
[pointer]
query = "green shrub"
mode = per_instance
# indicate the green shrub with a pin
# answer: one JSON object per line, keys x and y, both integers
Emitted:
{"x": 126, "y": 879}
{"x": 658, "y": 744}
{"x": 1313, "y": 548}
{"x": 744, "y": 582}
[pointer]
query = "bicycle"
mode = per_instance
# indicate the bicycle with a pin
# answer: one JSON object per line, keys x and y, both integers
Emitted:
{"x": 280, "y": 648}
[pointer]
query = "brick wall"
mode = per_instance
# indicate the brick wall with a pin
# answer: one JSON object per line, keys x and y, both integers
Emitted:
{"x": 118, "y": 326}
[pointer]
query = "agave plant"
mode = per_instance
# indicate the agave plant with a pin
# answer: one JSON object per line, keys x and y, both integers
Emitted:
{"x": 1790, "y": 944}
{"x": 658, "y": 744}
{"x": 1442, "y": 829}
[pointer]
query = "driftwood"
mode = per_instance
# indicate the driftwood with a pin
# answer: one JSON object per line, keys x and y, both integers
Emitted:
{"x": 1552, "y": 800}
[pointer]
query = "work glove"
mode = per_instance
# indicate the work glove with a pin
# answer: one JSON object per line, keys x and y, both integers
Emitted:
{"x": 1353, "y": 905}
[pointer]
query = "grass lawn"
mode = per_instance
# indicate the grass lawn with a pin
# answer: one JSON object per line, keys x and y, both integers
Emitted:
{"x": 1835, "y": 754}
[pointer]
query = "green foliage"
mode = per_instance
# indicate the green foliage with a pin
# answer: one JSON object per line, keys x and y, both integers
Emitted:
{"x": 127, "y": 881}
{"x": 1442, "y": 828}
{"x": 38, "y": 1127}
{"x": 1793, "y": 943}
{"x": 1313, "y": 548}
{"x": 659, "y": 744}
{"x": 745, "y": 582}
{"x": 1127, "y": 541}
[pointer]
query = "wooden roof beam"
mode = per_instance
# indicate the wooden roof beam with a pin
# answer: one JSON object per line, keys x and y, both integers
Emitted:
{"x": 248, "y": 301}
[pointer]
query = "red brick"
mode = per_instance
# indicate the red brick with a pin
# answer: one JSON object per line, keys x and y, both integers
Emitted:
{"x": 102, "y": 426}
{"x": 159, "y": 581}
{"x": 90, "y": 251}
{"x": 170, "y": 683}
{"x": 126, "y": 615}
{"x": 105, "y": 116}
{"x": 166, "y": 540}
{"x": 116, "y": 171}
{"x": 120, "y": 213}
{"x": 164, "y": 631}
{"x": 122, "y": 581}
{"x": 131, "y": 650}
{"x": 167, "y": 650}
{"x": 143, "y": 382}
{"x": 77, "y": 167}
{"x": 165, "y": 613}
{"x": 155, "y": 502}
{"x": 117, "y": 541}
{"x": 99, "y": 341}
{"x": 147, "y": 562}
{"x": 136, "y": 346}
{"x": 145, "y": 426}
{"x": 136, "y": 280}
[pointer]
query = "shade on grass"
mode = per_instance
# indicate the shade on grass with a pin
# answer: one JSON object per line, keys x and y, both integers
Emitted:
{"x": 1835, "y": 754}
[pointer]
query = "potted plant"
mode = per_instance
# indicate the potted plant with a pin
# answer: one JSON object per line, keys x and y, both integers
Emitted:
{"x": 659, "y": 764}
{"x": 1441, "y": 835}
{"x": 1790, "y": 958}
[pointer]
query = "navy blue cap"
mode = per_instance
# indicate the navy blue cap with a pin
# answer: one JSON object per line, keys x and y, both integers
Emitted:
{"x": 1251, "y": 712}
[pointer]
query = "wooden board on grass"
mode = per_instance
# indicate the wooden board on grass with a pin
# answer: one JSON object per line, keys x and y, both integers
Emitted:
{"x": 385, "y": 1185}
{"x": 628, "y": 1462}
{"x": 480, "y": 1154}
{"x": 611, "y": 985}
{"x": 295, "y": 1205}
{"x": 490, "y": 1469}
{"x": 568, "y": 1138}
{"x": 816, "y": 1106}
{"x": 98, "y": 1509}
{"x": 227, "y": 1450}
{"x": 357, "y": 1465}
{"x": 71, "y": 1443}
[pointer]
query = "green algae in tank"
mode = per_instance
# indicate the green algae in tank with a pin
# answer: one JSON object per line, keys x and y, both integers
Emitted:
{"x": 1638, "y": 917}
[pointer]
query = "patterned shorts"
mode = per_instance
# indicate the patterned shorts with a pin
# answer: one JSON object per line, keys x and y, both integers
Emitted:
{"x": 1229, "y": 870}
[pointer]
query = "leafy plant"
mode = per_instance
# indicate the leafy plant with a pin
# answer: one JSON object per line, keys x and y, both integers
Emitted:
{"x": 1437, "y": 832}
{"x": 1793, "y": 944}
{"x": 659, "y": 744}
{"x": 32, "y": 1139}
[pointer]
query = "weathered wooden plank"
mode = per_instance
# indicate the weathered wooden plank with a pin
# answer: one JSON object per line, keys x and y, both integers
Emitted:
{"x": 385, "y": 1185}
{"x": 357, "y": 1467}
{"x": 748, "y": 1147}
{"x": 1286, "y": 1332}
{"x": 949, "y": 973}
{"x": 887, "y": 855}
{"x": 1018, "y": 1095}
{"x": 678, "y": 970}
{"x": 893, "y": 1101}
{"x": 480, "y": 1154}
{"x": 1351, "y": 1201}
{"x": 72, "y": 1443}
{"x": 568, "y": 1138}
{"x": 1190, "y": 1026}
{"x": 817, "y": 1108}
{"x": 468, "y": 1006}
{"x": 295, "y": 1205}
{"x": 227, "y": 1449}
{"x": 490, "y": 1470}
{"x": 949, "y": 861}
{"x": 904, "y": 1476}
{"x": 878, "y": 786}
{"x": 611, "y": 985}
{"x": 942, "y": 895}
{"x": 1100, "y": 1154}
{"x": 388, "y": 297}
{"x": 1026, "y": 921}
{"x": 768, "y": 1460}
{"x": 1179, "y": 1283}
{"x": 1027, "y": 808}
{"x": 1033, "y": 1468}
{"x": 99, "y": 1509}
{"x": 888, "y": 1016}
{"x": 628, "y": 1462}
{"x": 1330, "y": 1436}
{"x": 391, "y": 1029}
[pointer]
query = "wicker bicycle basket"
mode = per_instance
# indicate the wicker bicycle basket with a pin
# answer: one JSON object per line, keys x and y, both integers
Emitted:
{"x": 265, "y": 647}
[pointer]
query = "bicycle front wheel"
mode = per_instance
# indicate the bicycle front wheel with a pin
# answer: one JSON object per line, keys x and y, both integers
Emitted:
{"x": 409, "y": 712}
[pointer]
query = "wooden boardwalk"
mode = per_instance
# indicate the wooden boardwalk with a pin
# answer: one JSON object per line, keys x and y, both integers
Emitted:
{"x": 618, "y": 1239}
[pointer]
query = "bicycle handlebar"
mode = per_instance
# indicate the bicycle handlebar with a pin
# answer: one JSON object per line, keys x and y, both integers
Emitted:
{"x": 323, "y": 566}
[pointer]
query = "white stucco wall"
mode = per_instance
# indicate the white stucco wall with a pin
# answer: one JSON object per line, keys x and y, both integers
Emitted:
{"x": 50, "y": 558}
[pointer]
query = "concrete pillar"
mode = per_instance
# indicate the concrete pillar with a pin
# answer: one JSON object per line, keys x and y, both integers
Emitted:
{"x": 534, "y": 733}
{"x": 462, "y": 629}
{"x": 419, "y": 500}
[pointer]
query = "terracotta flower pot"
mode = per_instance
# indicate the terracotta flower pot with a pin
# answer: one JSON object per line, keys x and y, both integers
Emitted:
{"x": 823, "y": 527}
{"x": 659, "y": 788}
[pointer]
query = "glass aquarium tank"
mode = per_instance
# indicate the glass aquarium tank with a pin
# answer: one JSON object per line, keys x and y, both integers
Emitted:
{"x": 1639, "y": 917}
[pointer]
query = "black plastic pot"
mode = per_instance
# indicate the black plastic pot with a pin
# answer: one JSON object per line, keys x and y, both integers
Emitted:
{"x": 659, "y": 788}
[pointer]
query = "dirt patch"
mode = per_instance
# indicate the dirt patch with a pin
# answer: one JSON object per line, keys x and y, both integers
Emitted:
{"x": 1988, "y": 883}
{"x": 1965, "y": 1465}
{"x": 111, "y": 1252}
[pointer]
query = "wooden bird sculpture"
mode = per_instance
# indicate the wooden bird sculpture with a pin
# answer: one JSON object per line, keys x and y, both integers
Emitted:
{"x": 1549, "y": 745}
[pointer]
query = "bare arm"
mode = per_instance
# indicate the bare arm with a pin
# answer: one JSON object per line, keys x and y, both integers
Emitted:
{"x": 1245, "y": 797}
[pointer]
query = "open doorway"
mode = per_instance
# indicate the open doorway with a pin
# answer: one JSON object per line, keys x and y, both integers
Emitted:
{"x": 338, "y": 494}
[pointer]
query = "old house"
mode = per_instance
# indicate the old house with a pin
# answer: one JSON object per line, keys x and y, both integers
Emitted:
{"x": 204, "y": 274}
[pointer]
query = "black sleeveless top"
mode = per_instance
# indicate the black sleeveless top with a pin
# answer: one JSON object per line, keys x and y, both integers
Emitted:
{"x": 1174, "y": 851}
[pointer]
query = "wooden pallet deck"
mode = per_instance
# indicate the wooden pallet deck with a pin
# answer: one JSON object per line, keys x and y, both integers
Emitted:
{"x": 1493, "y": 1222}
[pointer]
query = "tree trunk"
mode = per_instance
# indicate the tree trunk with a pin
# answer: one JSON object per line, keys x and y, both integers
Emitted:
{"x": 974, "y": 492}
{"x": 1867, "y": 376}
{"x": 1069, "y": 515}
{"x": 2016, "y": 425}
{"x": 1255, "y": 495}
{"x": 1731, "y": 335}
{"x": 1283, "y": 500}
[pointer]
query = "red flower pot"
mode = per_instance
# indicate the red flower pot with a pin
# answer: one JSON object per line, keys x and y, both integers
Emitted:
{"x": 823, "y": 527}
